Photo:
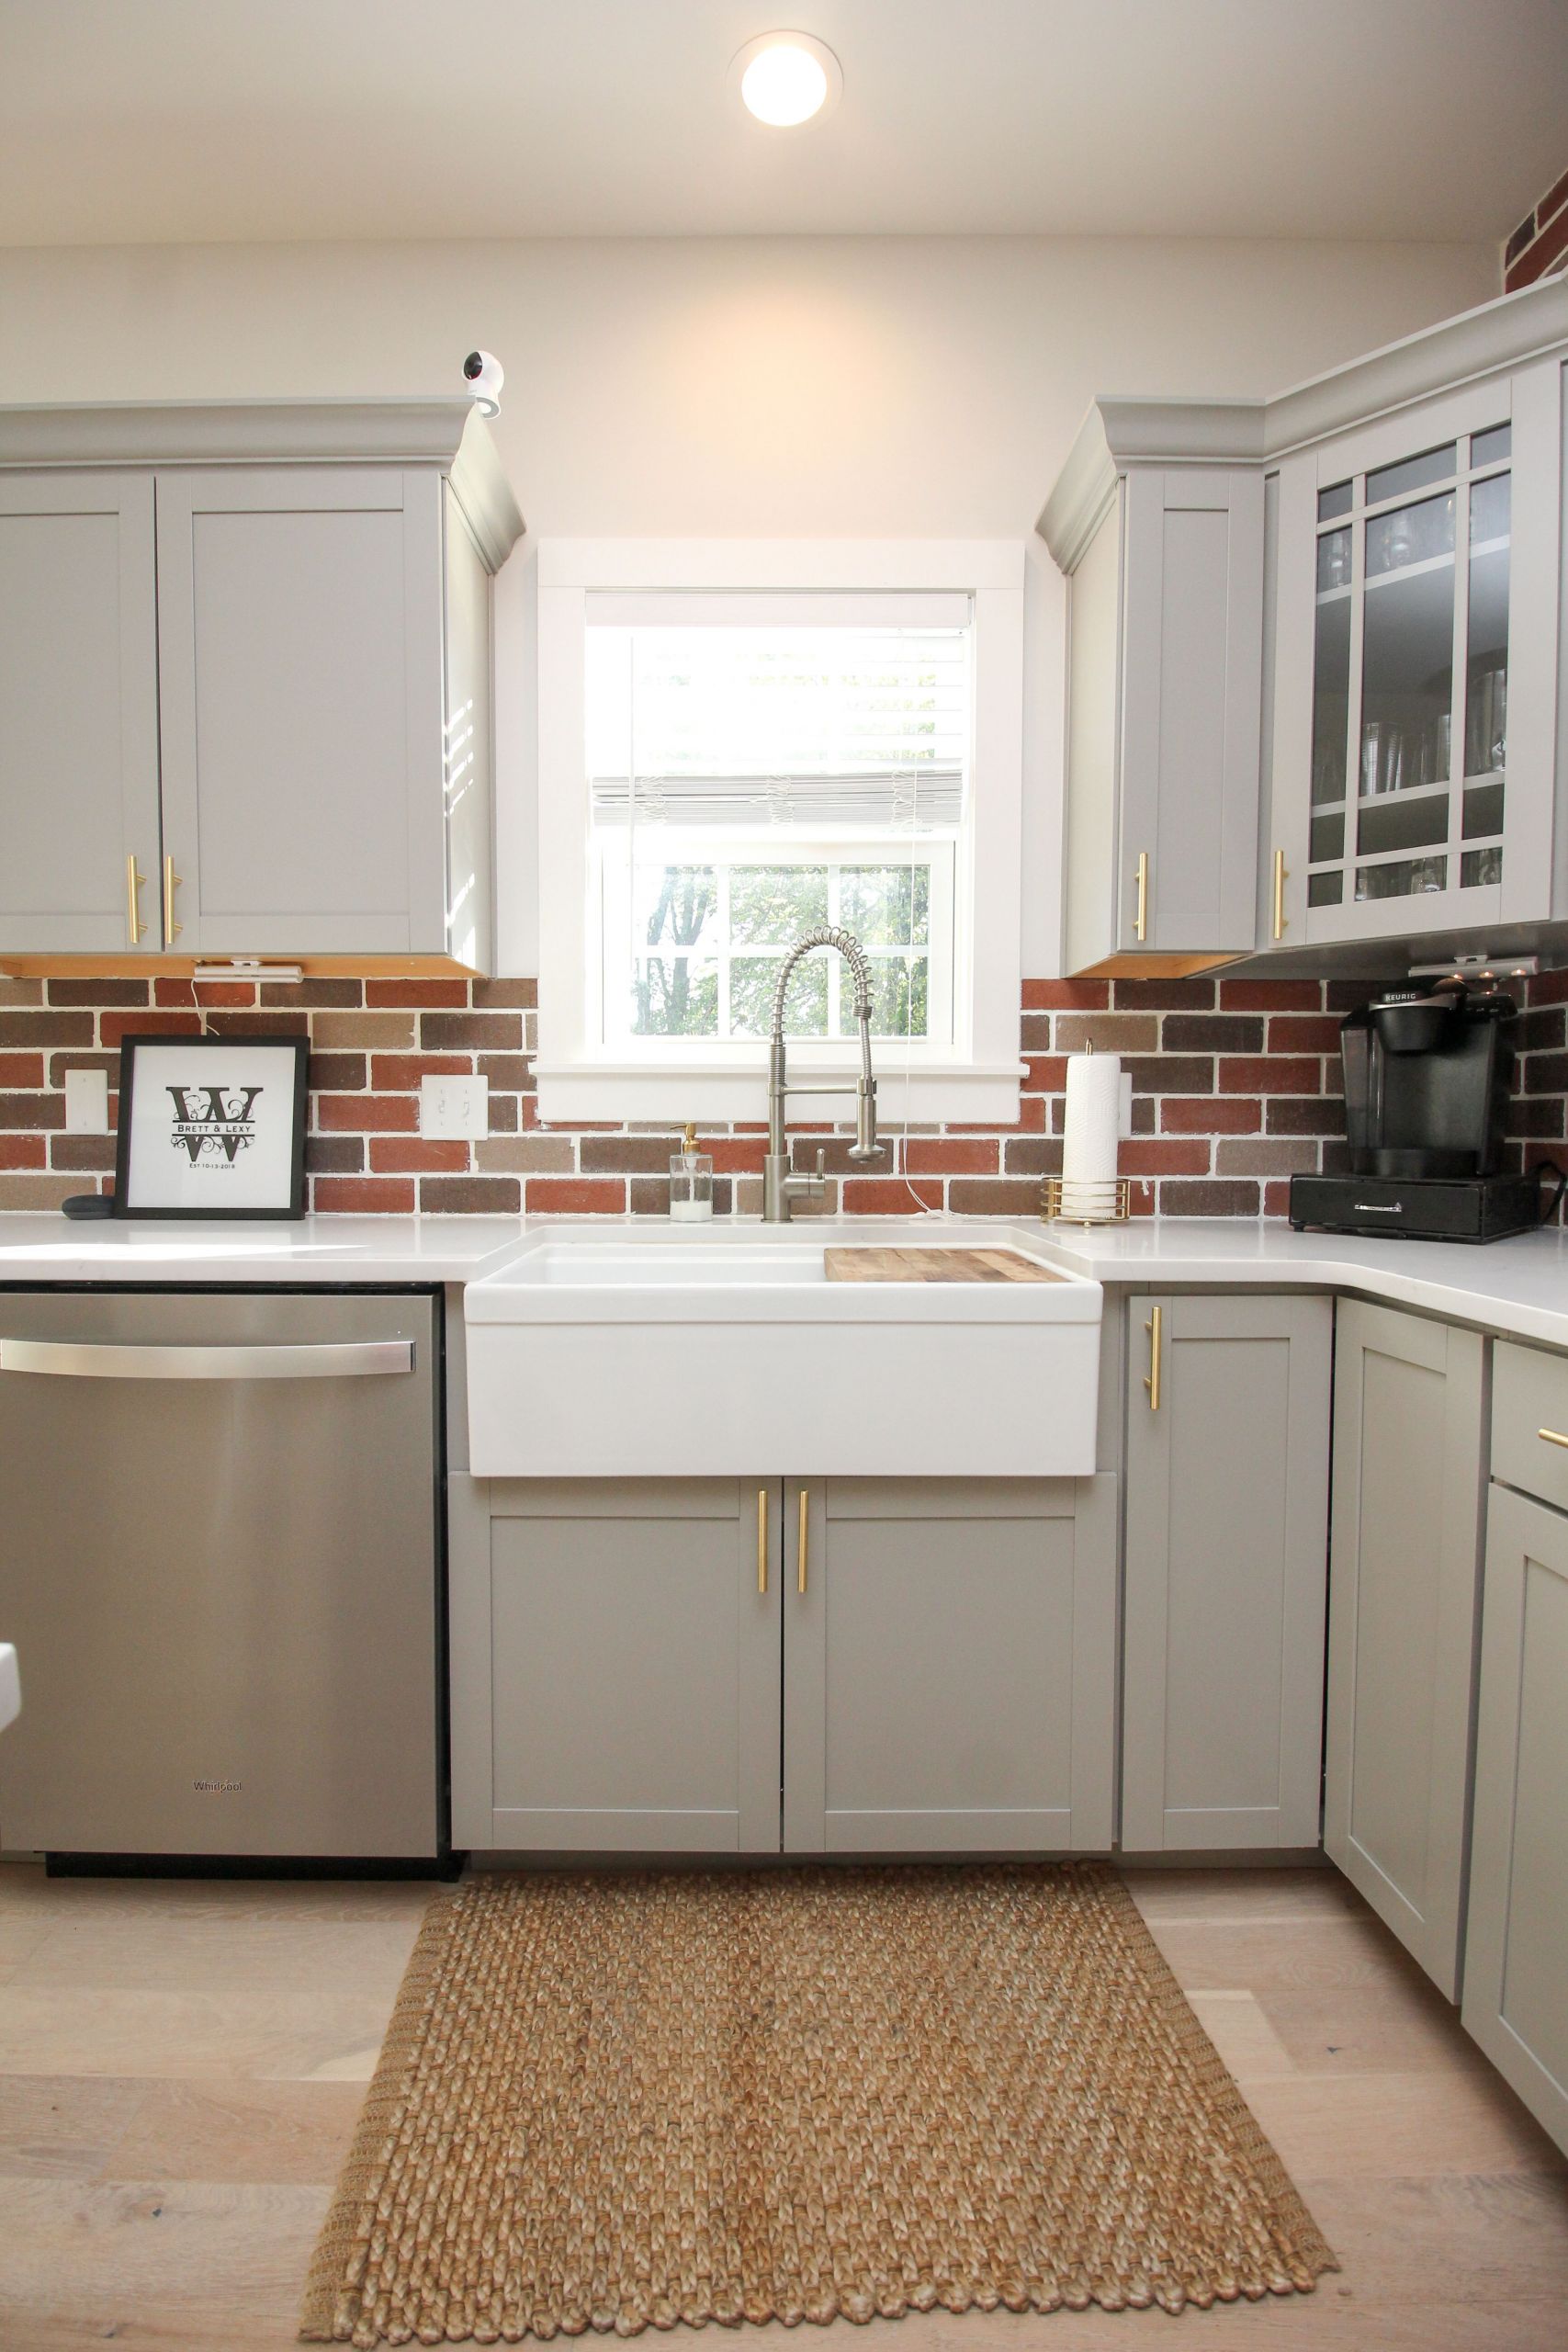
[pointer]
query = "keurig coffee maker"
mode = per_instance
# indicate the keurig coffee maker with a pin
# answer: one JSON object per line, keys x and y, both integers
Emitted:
{"x": 1427, "y": 1078}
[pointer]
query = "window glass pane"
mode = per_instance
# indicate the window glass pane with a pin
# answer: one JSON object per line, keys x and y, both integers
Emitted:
{"x": 1486, "y": 680}
{"x": 1333, "y": 561}
{"x": 1331, "y": 700}
{"x": 1404, "y": 879}
{"x": 1487, "y": 449}
{"x": 753, "y": 979}
{"x": 1325, "y": 889}
{"x": 771, "y": 906}
{"x": 675, "y": 905}
{"x": 901, "y": 996}
{"x": 886, "y": 906}
{"x": 1327, "y": 837}
{"x": 1383, "y": 825}
{"x": 674, "y": 995}
{"x": 1334, "y": 501}
{"x": 1410, "y": 535}
{"x": 1411, "y": 473}
{"x": 1479, "y": 867}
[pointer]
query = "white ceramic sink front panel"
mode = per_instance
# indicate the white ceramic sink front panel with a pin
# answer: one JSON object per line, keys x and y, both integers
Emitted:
{"x": 652, "y": 1352}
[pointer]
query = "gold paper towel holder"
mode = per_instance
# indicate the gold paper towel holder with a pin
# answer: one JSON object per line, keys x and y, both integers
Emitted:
{"x": 1120, "y": 1214}
{"x": 1052, "y": 1210}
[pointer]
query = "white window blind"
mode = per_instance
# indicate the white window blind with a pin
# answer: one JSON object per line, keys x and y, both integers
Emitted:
{"x": 813, "y": 714}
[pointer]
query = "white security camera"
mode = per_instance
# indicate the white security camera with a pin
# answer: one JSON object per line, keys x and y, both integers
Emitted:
{"x": 484, "y": 375}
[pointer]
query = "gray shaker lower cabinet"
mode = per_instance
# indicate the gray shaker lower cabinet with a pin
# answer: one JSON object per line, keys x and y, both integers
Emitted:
{"x": 1409, "y": 1497}
{"x": 615, "y": 1664}
{"x": 1226, "y": 1558}
{"x": 1516, "y": 1977}
{"x": 943, "y": 1651}
{"x": 949, "y": 1652}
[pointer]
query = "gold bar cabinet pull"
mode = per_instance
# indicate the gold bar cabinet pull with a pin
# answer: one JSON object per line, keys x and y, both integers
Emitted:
{"x": 1141, "y": 919}
{"x": 761, "y": 1539}
{"x": 1553, "y": 1437}
{"x": 1281, "y": 876}
{"x": 801, "y": 1540}
{"x": 134, "y": 880}
{"x": 1151, "y": 1380}
{"x": 172, "y": 881}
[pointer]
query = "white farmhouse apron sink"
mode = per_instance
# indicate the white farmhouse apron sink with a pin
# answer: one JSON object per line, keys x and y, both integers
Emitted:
{"x": 654, "y": 1351}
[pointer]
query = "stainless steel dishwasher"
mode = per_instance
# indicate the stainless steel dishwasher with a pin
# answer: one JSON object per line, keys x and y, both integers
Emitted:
{"x": 221, "y": 1565}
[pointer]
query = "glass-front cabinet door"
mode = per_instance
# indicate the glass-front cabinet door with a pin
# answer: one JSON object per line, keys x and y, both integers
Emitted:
{"x": 1413, "y": 744}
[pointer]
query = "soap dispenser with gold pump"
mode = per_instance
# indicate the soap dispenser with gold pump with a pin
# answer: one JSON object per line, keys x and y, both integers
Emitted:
{"x": 691, "y": 1180}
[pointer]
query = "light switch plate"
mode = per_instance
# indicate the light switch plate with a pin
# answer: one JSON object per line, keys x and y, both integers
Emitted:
{"x": 453, "y": 1106}
{"x": 86, "y": 1101}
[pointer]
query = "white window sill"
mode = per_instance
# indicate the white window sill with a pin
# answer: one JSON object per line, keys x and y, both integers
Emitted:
{"x": 931, "y": 1094}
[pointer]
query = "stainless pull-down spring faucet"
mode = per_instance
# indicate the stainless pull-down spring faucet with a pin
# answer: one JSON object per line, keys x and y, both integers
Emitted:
{"x": 780, "y": 1189}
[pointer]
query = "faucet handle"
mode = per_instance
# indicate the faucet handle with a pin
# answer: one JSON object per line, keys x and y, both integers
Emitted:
{"x": 820, "y": 1179}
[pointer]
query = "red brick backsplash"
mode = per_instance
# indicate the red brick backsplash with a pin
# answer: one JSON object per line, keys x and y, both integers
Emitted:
{"x": 1235, "y": 1087}
{"x": 1539, "y": 243}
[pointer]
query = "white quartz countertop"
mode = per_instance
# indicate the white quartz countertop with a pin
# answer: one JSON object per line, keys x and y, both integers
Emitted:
{"x": 1518, "y": 1287}
{"x": 37, "y": 1248}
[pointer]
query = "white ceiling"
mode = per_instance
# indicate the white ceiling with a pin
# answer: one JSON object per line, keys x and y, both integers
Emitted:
{"x": 163, "y": 120}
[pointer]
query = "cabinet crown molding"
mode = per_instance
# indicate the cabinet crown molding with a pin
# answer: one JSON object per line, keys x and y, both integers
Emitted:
{"x": 1120, "y": 432}
{"x": 446, "y": 432}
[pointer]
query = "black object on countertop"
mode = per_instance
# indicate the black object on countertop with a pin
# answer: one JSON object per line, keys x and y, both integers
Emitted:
{"x": 1427, "y": 1078}
{"x": 1431, "y": 1208}
{"x": 84, "y": 1204}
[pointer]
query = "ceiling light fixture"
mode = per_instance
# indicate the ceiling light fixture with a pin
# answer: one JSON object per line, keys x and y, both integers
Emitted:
{"x": 787, "y": 79}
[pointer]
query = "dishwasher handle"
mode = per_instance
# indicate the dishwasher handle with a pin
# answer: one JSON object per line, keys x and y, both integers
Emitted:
{"x": 96, "y": 1360}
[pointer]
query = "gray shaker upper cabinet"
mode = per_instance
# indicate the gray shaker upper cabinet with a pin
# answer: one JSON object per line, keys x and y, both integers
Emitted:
{"x": 1163, "y": 551}
{"x": 1320, "y": 636}
{"x": 1414, "y": 737}
{"x": 319, "y": 671}
{"x": 78, "y": 713}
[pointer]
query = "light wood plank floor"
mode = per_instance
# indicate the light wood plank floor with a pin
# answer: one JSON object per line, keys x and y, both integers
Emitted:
{"x": 181, "y": 2064}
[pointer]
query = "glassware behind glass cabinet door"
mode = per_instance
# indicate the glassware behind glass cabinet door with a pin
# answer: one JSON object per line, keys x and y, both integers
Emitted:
{"x": 1486, "y": 727}
{"x": 1382, "y": 758}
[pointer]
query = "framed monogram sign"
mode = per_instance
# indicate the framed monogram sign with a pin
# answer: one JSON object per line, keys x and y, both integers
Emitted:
{"x": 211, "y": 1127}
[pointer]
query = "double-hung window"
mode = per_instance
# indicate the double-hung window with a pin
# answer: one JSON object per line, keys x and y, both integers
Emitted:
{"x": 753, "y": 762}
{"x": 762, "y": 766}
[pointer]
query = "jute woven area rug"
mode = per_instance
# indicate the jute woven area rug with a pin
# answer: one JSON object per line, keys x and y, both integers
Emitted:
{"x": 615, "y": 2102}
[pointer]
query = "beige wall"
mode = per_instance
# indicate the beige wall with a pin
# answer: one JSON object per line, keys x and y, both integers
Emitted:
{"x": 852, "y": 385}
{"x": 844, "y": 386}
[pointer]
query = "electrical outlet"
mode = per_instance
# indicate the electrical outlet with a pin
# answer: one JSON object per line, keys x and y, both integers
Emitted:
{"x": 453, "y": 1106}
{"x": 87, "y": 1102}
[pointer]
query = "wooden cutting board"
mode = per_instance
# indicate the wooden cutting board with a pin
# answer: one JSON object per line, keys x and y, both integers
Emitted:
{"x": 867, "y": 1265}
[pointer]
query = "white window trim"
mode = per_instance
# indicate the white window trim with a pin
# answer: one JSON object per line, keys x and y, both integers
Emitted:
{"x": 580, "y": 1079}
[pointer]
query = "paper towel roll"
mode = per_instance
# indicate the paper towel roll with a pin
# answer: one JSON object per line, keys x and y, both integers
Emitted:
{"x": 1092, "y": 1126}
